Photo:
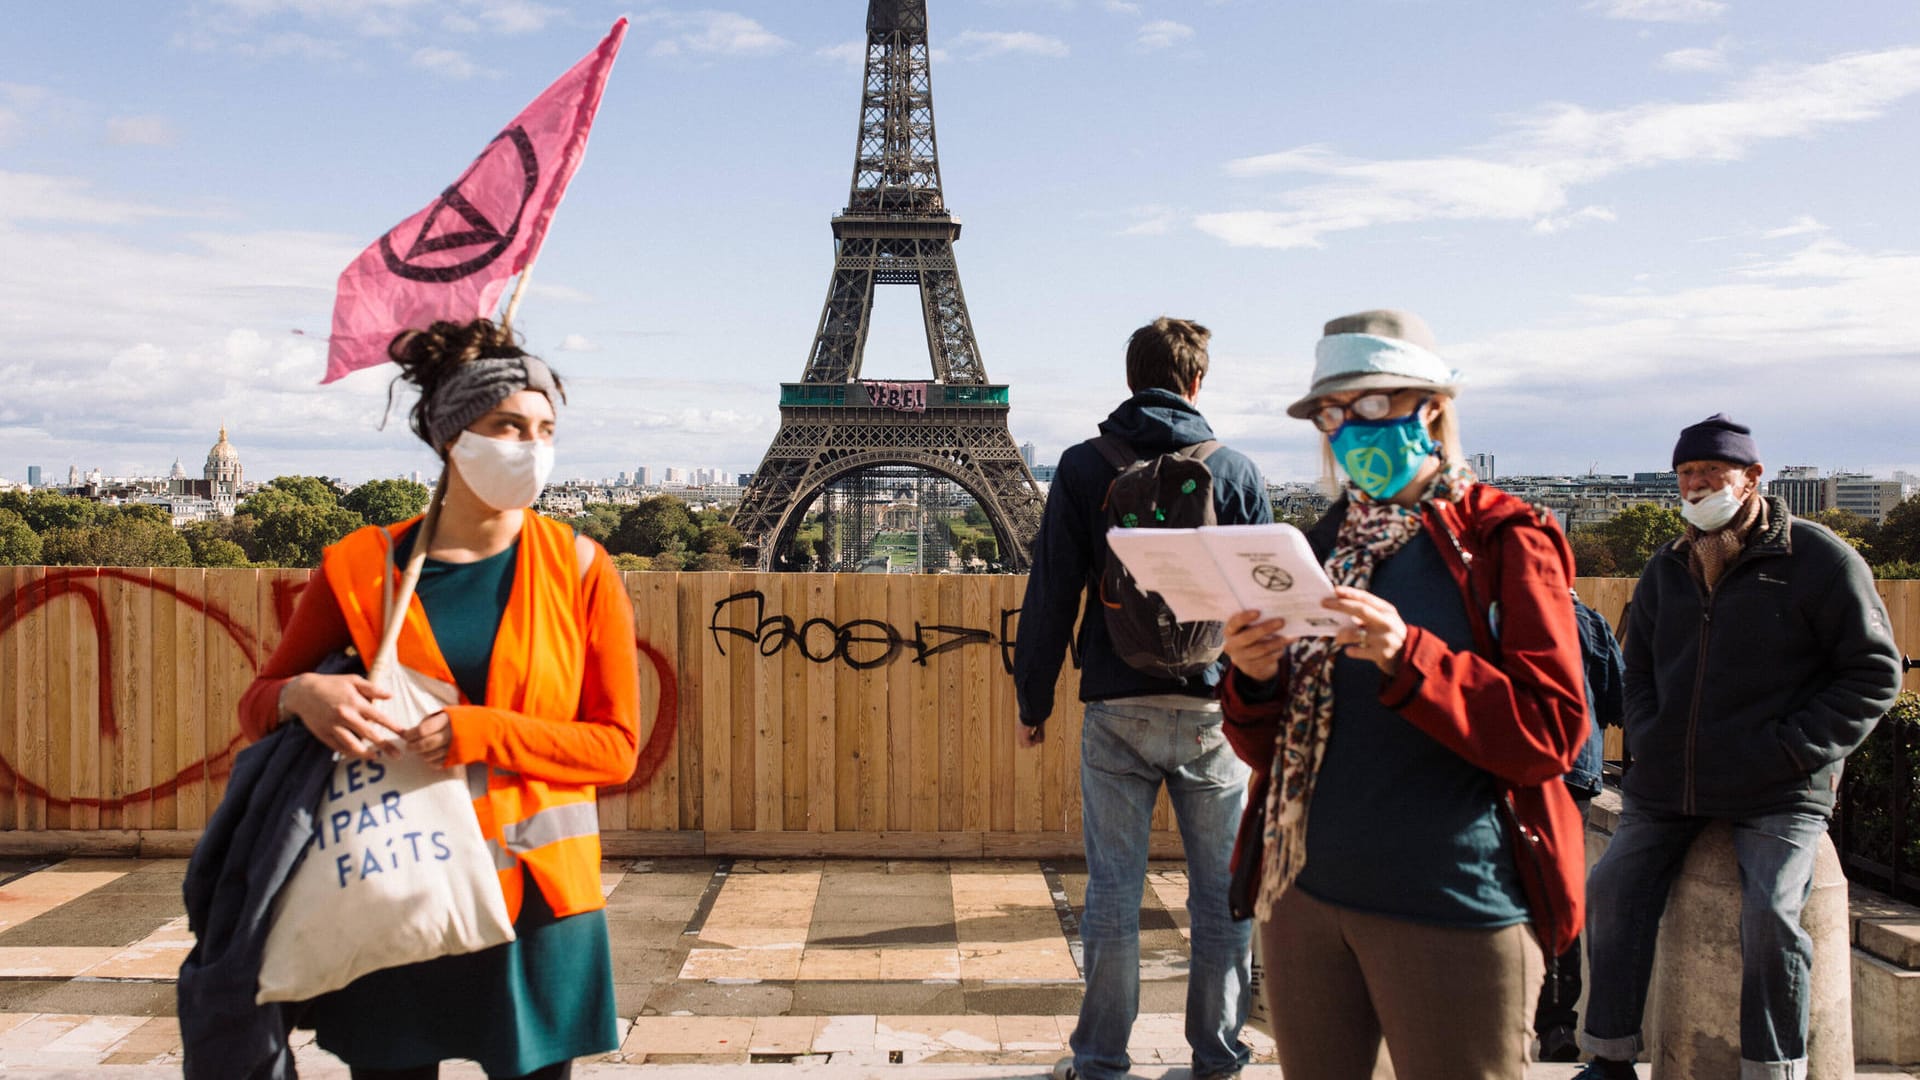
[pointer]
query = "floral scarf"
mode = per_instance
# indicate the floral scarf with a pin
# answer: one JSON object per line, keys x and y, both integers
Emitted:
{"x": 1371, "y": 532}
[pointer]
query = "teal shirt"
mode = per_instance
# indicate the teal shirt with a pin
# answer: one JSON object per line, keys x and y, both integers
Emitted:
{"x": 464, "y": 602}
{"x": 1400, "y": 825}
{"x": 545, "y": 997}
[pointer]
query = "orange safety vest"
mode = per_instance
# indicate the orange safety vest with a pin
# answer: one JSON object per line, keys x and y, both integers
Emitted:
{"x": 539, "y": 654}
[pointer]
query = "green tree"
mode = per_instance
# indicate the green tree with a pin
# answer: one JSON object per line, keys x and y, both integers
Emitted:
{"x": 1591, "y": 555}
{"x": 988, "y": 548}
{"x": 19, "y": 544}
{"x": 597, "y": 520}
{"x": 1899, "y": 539}
{"x": 631, "y": 563}
{"x": 293, "y": 519}
{"x": 131, "y": 540}
{"x": 667, "y": 561}
{"x": 212, "y": 543}
{"x": 383, "y": 502}
{"x": 1634, "y": 534}
{"x": 713, "y": 561}
{"x": 45, "y": 511}
{"x": 722, "y": 538}
{"x": 1856, "y": 529}
{"x": 654, "y": 526}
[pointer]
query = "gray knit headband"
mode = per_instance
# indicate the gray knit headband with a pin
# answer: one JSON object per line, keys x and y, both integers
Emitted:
{"x": 475, "y": 388}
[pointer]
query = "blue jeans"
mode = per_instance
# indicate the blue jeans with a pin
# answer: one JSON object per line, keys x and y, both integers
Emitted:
{"x": 1126, "y": 753}
{"x": 1626, "y": 893}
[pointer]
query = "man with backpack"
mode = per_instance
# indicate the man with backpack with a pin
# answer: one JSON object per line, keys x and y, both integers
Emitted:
{"x": 1148, "y": 684}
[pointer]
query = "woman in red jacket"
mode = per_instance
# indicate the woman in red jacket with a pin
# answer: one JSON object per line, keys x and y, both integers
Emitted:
{"x": 535, "y": 628}
{"x": 1408, "y": 767}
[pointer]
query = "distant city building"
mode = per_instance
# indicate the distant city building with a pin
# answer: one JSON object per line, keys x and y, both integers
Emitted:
{"x": 643, "y": 476}
{"x": 73, "y": 476}
{"x": 33, "y": 476}
{"x": 1805, "y": 492}
{"x": 1482, "y": 465}
{"x": 1028, "y": 452}
{"x": 224, "y": 473}
{"x": 178, "y": 472}
{"x": 1595, "y": 498}
{"x": 1044, "y": 473}
{"x": 1870, "y": 498}
{"x": 676, "y": 476}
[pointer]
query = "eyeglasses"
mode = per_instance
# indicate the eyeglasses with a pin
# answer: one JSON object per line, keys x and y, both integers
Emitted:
{"x": 1329, "y": 418}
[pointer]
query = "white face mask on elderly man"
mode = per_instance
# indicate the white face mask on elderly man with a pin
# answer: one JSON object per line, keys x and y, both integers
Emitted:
{"x": 506, "y": 474}
{"x": 1712, "y": 510}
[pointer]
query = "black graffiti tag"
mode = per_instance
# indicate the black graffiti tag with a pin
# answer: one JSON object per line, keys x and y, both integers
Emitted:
{"x": 861, "y": 644}
{"x": 428, "y": 254}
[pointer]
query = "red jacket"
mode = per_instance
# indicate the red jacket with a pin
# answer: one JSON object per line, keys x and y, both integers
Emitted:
{"x": 1514, "y": 706}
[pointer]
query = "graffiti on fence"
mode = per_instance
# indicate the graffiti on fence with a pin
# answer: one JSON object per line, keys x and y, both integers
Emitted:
{"x": 81, "y": 585}
{"x": 861, "y": 644}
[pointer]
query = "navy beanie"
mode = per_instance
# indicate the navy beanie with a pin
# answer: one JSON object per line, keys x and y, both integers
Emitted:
{"x": 1716, "y": 438}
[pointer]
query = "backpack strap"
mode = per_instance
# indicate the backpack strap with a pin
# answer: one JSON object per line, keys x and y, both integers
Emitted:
{"x": 1118, "y": 452}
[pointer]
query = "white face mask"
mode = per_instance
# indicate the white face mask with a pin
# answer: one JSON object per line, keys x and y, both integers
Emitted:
{"x": 506, "y": 474}
{"x": 1713, "y": 510}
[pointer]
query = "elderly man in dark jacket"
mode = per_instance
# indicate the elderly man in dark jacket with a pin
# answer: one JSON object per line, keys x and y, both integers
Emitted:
{"x": 1141, "y": 731}
{"x": 1758, "y": 657}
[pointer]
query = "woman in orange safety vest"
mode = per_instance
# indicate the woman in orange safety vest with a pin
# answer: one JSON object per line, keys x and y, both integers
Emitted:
{"x": 535, "y": 628}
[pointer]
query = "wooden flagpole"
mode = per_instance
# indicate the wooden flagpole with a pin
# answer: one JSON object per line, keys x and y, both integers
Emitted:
{"x": 417, "y": 559}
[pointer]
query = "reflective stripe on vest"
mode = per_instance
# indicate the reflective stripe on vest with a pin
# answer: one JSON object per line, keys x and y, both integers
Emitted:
{"x": 552, "y": 825}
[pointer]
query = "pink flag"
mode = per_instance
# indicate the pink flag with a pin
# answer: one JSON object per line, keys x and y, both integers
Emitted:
{"x": 452, "y": 260}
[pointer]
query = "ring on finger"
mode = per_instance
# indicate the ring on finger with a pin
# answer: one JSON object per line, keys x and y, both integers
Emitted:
{"x": 1362, "y": 640}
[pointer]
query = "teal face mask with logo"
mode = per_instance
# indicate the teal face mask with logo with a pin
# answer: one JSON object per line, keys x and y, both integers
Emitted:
{"x": 1383, "y": 456}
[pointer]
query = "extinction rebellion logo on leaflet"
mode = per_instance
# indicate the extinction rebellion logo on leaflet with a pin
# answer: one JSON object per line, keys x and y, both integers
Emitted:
{"x": 373, "y": 837}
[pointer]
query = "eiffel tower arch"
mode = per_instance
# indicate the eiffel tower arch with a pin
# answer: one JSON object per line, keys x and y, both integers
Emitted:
{"x": 895, "y": 230}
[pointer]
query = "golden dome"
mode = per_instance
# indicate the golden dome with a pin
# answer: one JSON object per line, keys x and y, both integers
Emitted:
{"x": 223, "y": 450}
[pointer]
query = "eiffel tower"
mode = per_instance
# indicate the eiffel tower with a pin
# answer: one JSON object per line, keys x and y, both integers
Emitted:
{"x": 895, "y": 230}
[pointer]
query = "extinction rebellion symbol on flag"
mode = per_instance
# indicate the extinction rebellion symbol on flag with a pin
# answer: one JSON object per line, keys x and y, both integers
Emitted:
{"x": 446, "y": 254}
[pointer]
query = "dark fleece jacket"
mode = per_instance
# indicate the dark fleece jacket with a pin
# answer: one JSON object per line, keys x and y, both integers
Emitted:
{"x": 1747, "y": 701}
{"x": 1071, "y": 551}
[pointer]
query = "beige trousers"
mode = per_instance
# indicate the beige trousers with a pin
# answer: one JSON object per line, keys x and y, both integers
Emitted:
{"x": 1450, "y": 1004}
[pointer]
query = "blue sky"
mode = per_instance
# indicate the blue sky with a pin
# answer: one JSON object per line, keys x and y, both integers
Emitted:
{"x": 1618, "y": 215}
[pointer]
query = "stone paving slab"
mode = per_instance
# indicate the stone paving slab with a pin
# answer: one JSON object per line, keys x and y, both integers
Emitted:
{"x": 915, "y": 970}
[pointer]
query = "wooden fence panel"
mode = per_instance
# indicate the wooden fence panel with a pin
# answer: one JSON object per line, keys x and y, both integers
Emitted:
{"x": 799, "y": 714}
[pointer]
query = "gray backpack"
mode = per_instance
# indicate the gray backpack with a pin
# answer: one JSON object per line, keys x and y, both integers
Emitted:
{"x": 1173, "y": 490}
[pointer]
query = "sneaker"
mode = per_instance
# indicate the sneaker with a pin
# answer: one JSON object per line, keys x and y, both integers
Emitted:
{"x": 1559, "y": 1044}
{"x": 1064, "y": 1070}
{"x": 1607, "y": 1069}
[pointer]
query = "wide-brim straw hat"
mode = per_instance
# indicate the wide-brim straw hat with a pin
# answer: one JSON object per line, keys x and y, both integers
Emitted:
{"x": 1376, "y": 350}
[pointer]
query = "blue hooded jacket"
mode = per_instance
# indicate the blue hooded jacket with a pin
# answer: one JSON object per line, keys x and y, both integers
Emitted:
{"x": 1071, "y": 551}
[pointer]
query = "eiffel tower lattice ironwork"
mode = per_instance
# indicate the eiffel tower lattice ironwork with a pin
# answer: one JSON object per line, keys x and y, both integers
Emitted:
{"x": 895, "y": 230}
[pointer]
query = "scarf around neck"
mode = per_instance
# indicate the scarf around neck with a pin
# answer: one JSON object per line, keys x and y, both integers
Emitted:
{"x": 1370, "y": 533}
{"x": 1710, "y": 553}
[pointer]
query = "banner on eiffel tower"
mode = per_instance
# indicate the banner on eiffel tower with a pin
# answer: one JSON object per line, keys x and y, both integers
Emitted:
{"x": 453, "y": 258}
{"x": 910, "y": 397}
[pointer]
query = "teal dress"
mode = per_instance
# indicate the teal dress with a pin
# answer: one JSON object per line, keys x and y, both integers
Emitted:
{"x": 546, "y": 996}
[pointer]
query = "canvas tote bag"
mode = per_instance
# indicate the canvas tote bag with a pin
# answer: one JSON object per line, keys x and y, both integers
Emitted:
{"x": 397, "y": 871}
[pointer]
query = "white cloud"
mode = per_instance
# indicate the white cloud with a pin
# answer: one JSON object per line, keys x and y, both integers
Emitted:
{"x": 16, "y": 102}
{"x": 1804, "y": 225}
{"x": 1529, "y": 173}
{"x": 38, "y": 197}
{"x": 1695, "y": 60}
{"x": 1152, "y": 221}
{"x": 979, "y": 44}
{"x": 576, "y": 343}
{"x": 1684, "y": 11}
{"x": 1163, "y": 34}
{"x": 514, "y": 16}
{"x": 450, "y": 63}
{"x": 711, "y": 33}
{"x": 851, "y": 53}
{"x": 1547, "y": 226}
{"x": 141, "y": 131}
{"x": 1122, "y": 7}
